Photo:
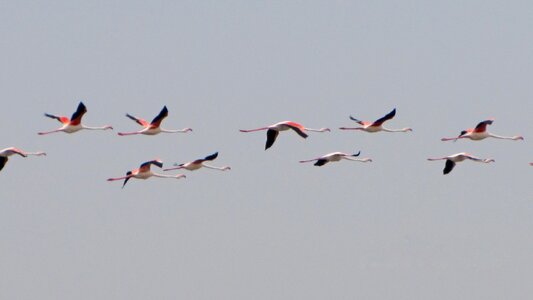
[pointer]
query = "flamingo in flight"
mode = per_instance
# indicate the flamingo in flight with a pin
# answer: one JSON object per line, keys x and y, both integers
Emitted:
{"x": 199, "y": 163}
{"x": 6, "y": 153}
{"x": 377, "y": 125}
{"x": 154, "y": 127}
{"x": 144, "y": 172}
{"x": 480, "y": 132}
{"x": 451, "y": 160}
{"x": 74, "y": 123}
{"x": 273, "y": 131}
{"x": 336, "y": 156}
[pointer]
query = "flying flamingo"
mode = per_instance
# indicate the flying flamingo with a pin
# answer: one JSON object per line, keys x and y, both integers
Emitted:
{"x": 273, "y": 131}
{"x": 480, "y": 133}
{"x": 336, "y": 156}
{"x": 197, "y": 164}
{"x": 6, "y": 153}
{"x": 451, "y": 160}
{"x": 144, "y": 172}
{"x": 377, "y": 125}
{"x": 152, "y": 128}
{"x": 74, "y": 123}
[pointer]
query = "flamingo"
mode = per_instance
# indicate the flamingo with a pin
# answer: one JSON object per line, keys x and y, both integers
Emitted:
{"x": 451, "y": 160}
{"x": 336, "y": 156}
{"x": 74, "y": 123}
{"x": 480, "y": 132}
{"x": 144, "y": 172}
{"x": 7, "y": 152}
{"x": 199, "y": 163}
{"x": 377, "y": 125}
{"x": 273, "y": 131}
{"x": 152, "y": 128}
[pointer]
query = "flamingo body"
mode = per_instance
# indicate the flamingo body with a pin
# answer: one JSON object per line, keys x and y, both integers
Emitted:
{"x": 74, "y": 123}
{"x": 377, "y": 125}
{"x": 336, "y": 156}
{"x": 144, "y": 172}
{"x": 198, "y": 164}
{"x": 480, "y": 133}
{"x": 153, "y": 127}
{"x": 453, "y": 159}
{"x": 7, "y": 152}
{"x": 273, "y": 131}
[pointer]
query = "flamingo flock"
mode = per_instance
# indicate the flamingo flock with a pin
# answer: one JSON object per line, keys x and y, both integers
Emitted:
{"x": 74, "y": 124}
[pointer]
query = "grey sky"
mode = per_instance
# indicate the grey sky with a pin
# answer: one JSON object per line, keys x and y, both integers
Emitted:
{"x": 270, "y": 228}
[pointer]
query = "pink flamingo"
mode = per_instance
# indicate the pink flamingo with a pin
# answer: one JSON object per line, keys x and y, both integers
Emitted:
{"x": 336, "y": 156}
{"x": 7, "y": 152}
{"x": 273, "y": 131}
{"x": 480, "y": 133}
{"x": 152, "y": 128}
{"x": 451, "y": 160}
{"x": 199, "y": 163}
{"x": 144, "y": 172}
{"x": 74, "y": 123}
{"x": 377, "y": 125}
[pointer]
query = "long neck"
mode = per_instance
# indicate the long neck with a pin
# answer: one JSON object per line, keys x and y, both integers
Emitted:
{"x": 452, "y": 139}
{"x": 351, "y": 128}
{"x": 437, "y": 158}
{"x": 318, "y": 130}
{"x": 106, "y": 127}
{"x": 167, "y": 176}
{"x": 506, "y": 137}
{"x": 396, "y": 130}
{"x": 176, "y": 130}
{"x": 128, "y": 133}
{"x": 217, "y": 168}
{"x": 252, "y": 130}
{"x": 35, "y": 153}
{"x": 357, "y": 159}
{"x": 119, "y": 178}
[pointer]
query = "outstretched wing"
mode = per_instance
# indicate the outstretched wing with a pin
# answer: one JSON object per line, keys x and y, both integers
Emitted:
{"x": 76, "y": 116}
{"x": 162, "y": 114}
{"x": 387, "y": 117}
{"x": 212, "y": 156}
{"x": 139, "y": 121}
{"x": 127, "y": 178}
{"x": 482, "y": 126}
{"x": 271, "y": 138}
{"x": 3, "y": 161}
{"x": 298, "y": 130}
{"x": 321, "y": 162}
{"x": 357, "y": 120}
{"x": 146, "y": 166}
{"x": 448, "y": 167}
{"x": 63, "y": 120}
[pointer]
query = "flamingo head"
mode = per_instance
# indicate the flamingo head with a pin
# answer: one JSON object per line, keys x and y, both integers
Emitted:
{"x": 180, "y": 176}
{"x": 519, "y": 137}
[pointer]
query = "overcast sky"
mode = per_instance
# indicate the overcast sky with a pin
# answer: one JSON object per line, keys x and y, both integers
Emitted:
{"x": 270, "y": 228}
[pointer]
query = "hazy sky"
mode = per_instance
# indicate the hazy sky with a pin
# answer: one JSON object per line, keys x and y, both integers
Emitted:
{"x": 270, "y": 228}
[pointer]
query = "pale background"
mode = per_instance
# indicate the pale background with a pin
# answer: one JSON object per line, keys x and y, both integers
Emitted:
{"x": 270, "y": 228}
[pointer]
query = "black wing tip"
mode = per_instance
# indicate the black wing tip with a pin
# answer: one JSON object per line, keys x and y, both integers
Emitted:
{"x": 212, "y": 156}
{"x": 320, "y": 162}
{"x": 357, "y": 154}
